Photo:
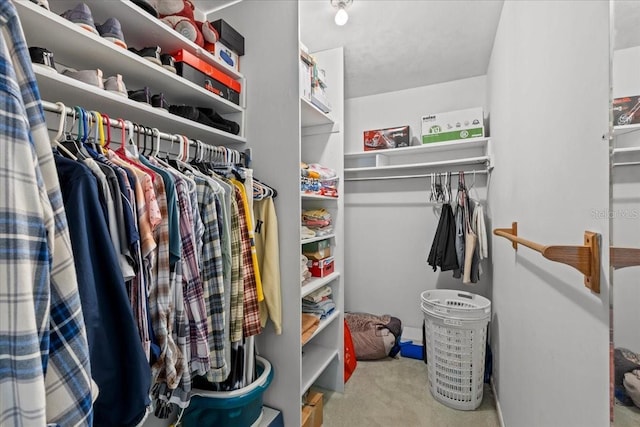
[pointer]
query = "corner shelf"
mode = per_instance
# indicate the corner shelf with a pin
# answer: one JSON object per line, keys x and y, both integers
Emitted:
{"x": 424, "y": 148}
{"x": 317, "y": 238}
{"x": 323, "y": 324}
{"x": 316, "y": 283}
{"x": 310, "y": 115}
{"x": 315, "y": 359}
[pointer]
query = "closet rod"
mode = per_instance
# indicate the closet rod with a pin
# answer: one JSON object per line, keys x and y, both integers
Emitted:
{"x": 625, "y": 150}
{"x": 624, "y": 257}
{"x": 373, "y": 178}
{"x": 584, "y": 258}
{"x": 625, "y": 164}
{"x": 245, "y": 156}
{"x": 55, "y": 108}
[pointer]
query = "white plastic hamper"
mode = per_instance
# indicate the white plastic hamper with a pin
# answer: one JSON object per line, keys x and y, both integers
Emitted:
{"x": 456, "y": 332}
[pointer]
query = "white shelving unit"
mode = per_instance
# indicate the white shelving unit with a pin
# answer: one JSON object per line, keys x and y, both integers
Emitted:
{"x": 74, "y": 47}
{"x": 377, "y": 164}
{"x": 322, "y": 142}
{"x": 626, "y": 151}
{"x": 317, "y": 238}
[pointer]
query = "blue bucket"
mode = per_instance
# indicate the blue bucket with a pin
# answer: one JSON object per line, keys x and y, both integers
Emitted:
{"x": 238, "y": 408}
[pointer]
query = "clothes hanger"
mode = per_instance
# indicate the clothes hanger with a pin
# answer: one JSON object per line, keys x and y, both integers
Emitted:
{"x": 56, "y": 141}
{"x": 155, "y": 132}
{"x": 107, "y": 144}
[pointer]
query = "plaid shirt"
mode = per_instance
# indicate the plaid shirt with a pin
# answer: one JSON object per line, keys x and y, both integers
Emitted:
{"x": 192, "y": 285}
{"x": 237, "y": 282}
{"x": 251, "y": 324}
{"x": 211, "y": 273}
{"x": 41, "y": 323}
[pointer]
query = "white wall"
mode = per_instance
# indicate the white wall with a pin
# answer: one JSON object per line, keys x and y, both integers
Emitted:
{"x": 548, "y": 80}
{"x": 625, "y": 212}
{"x": 389, "y": 224}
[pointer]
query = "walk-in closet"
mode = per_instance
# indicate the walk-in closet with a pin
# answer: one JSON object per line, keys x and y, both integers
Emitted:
{"x": 239, "y": 213}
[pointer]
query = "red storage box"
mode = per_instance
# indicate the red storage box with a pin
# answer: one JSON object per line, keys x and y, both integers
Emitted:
{"x": 321, "y": 268}
{"x": 208, "y": 69}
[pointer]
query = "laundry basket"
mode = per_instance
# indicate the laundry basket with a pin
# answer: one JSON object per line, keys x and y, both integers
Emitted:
{"x": 456, "y": 332}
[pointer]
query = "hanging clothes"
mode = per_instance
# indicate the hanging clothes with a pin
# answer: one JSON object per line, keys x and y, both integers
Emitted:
{"x": 267, "y": 250}
{"x": 43, "y": 324}
{"x": 111, "y": 329}
{"x": 443, "y": 251}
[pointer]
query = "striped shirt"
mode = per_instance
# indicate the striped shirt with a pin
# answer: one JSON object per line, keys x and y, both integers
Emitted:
{"x": 41, "y": 322}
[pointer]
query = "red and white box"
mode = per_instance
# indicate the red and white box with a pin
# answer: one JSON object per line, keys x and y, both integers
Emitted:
{"x": 321, "y": 268}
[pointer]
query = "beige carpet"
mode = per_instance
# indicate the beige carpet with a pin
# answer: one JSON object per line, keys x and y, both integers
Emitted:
{"x": 394, "y": 392}
{"x": 626, "y": 416}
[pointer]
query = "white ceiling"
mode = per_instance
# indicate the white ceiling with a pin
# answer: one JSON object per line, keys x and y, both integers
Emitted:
{"x": 626, "y": 23}
{"x": 391, "y": 45}
{"x": 394, "y": 45}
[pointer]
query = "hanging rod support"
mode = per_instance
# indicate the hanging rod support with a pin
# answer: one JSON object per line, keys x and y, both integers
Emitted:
{"x": 585, "y": 258}
{"x": 624, "y": 257}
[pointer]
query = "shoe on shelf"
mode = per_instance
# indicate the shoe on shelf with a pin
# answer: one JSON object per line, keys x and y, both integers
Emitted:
{"x": 149, "y": 53}
{"x": 150, "y": 6}
{"x": 194, "y": 114}
{"x": 158, "y": 101}
{"x": 81, "y": 15}
{"x": 234, "y": 127}
{"x": 116, "y": 85}
{"x": 141, "y": 95}
{"x": 168, "y": 62}
{"x": 42, "y": 58}
{"x": 41, "y": 3}
{"x": 91, "y": 77}
{"x": 112, "y": 30}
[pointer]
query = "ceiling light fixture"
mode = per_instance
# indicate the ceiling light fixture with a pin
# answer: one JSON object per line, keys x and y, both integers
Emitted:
{"x": 342, "y": 16}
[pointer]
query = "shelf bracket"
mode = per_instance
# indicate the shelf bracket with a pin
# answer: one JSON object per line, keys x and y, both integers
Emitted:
{"x": 584, "y": 258}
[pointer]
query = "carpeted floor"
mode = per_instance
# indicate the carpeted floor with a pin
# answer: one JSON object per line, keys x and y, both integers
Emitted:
{"x": 626, "y": 416}
{"x": 395, "y": 392}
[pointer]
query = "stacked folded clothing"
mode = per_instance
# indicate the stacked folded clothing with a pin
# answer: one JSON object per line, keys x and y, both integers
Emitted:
{"x": 321, "y": 306}
{"x": 307, "y": 233}
{"x": 319, "y": 294}
{"x": 304, "y": 269}
{"x": 318, "y": 221}
{"x": 318, "y": 179}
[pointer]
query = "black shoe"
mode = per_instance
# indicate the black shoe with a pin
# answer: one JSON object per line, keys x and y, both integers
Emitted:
{"x": 42, "y": 56}
{"x": 159, "y": 101}
{"x": 192, "y": 113}
{"x": 149, "y": 53}
{"x": 141, "y": 95}
{"x": 168, "y": 62}
{"x": 234, "y": 127}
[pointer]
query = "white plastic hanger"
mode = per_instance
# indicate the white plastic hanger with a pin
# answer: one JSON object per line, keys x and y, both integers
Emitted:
{"x": 56, "y": 142}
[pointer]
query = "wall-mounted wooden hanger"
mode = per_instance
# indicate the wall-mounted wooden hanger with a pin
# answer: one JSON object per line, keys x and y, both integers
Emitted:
{"x": 585, "y": 258}
{"x": 624, "y": 257}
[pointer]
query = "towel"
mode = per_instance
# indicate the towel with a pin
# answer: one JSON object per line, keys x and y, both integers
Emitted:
{"x": 309, "y": 325}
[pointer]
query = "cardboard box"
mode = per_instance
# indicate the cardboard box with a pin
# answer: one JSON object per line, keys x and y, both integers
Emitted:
{"x": 312, "y": 409}
{"x": 229, "y": 36}
{"x": 626, "y": 110}
{"x": 452, "y": 125}
{"x": 322, "y": 267}
{"x": 381, "y": 139}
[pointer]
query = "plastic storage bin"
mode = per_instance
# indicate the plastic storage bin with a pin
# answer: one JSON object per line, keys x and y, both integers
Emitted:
{"x": 456, "y": 333}
{"x": 238, "y": 408}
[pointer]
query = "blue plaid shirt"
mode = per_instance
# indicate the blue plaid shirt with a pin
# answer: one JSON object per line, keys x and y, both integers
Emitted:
{"x": 45, "y": 375}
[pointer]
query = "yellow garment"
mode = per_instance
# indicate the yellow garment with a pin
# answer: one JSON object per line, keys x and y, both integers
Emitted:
{"x": 267, "y": 249}
{"x": 254, "y": 257}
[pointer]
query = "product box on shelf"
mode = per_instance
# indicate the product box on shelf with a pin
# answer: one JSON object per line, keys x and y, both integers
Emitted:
{"x": 202, "y": 74}
{"x": 321, "y": 267}
{"x": 226, "y": 55}
{"x": 380, "y": 139}
{"x": 317, "y": 250}
{"x": 305, "y": 80}
{"x": 452, "y": 125}
{"x": 626, "y": 110}
{"x": 229, "y": 36}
